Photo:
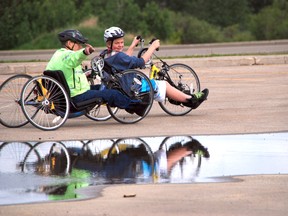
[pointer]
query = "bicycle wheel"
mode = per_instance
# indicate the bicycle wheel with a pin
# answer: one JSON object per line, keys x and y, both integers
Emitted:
{"x": 185, "y": 79}
{"x": 188, "y": 166}
{"x": 47, "y": 158}
{"x": 45, "y": 103}
{"x": 141, "y": 53}
{"x": 139, "y": 88}
{"x": 11, "y": 114}
{"x": 100, "y": 111}
{"x": 97, "y": 148}
{"x": 12, "y": 155}
{"x": 134, "y": 157}
{"x": 171, "y": 140}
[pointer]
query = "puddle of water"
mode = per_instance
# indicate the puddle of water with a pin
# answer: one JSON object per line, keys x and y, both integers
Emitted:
{"x": 46, "y": 171}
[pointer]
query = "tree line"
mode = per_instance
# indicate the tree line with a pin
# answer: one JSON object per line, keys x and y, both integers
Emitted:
{"x": 33, "y": 22}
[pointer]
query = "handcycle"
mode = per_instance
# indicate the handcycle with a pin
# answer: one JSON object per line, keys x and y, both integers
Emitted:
{"x": 178, "y": 75}
{"x": 45, "y": 101}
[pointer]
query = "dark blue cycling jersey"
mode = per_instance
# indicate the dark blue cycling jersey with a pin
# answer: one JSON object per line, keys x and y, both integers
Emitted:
{"x": 121, "y": 61}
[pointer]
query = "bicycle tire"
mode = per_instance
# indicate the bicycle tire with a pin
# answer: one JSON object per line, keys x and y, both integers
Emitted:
{"x": 141, "y": 53}
{"x": 170, "y": 140}
{"x": 124, "y": 116}
{"x": 123, "y": 144}
{"x": 47, "y": 158}
{"x": 97, "y": 148}
{"x": 182, "y": 77}
{"x": 45, "y": 103}
{"x": 11, "y": 114}
{"x": 192, "y": 162}
{"x": 12, "y": 155}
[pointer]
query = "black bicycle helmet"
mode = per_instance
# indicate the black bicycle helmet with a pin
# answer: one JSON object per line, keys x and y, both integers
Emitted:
{"x": 113, "y": 33}
{"x": 73, "y": 35}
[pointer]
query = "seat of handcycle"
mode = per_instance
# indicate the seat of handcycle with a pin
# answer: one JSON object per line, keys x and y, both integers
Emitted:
{"x": 123, "y": 83}
{"x": 59, "y": 76}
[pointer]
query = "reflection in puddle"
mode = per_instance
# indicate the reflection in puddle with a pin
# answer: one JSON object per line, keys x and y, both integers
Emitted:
{"x": 34, "y": 172}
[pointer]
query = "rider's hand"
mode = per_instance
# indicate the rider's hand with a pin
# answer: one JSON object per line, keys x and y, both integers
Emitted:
{"x": 88, "y": 49}
{"x": 156, "y": 44}
{"x": 136, "y": 41}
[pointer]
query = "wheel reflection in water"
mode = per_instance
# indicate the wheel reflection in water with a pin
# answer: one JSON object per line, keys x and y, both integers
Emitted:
{"x": 47, "y": 158}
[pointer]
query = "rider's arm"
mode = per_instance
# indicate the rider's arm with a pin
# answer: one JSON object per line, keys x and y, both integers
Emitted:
{"x": 121, "y": 61}
{"x": 146, "y": 56}
{"x": 134, "y": 43}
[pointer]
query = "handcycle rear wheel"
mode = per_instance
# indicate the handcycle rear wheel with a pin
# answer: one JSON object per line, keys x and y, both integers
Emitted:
{"x": 146, "y": 96}
{"x": 185, "y": 79}
{"x": 11, "y": 114}
{"x": 47, "y": 158}
{"x": 45, "y": 103}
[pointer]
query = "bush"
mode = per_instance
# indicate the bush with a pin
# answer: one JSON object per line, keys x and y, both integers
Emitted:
{"x": 50, "y": 40}
{"x": 235, "y": 33}
{"x": 192, "y": 30}
{"x": 271, "y": 22}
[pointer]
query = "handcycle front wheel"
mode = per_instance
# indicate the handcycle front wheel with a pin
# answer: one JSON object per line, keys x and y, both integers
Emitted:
{"x": 185, "y": 79}
{"x": 139, "y": 154}
{"x": 100, "y": 111}
{"x": 11, "y": 114}
{"x": 140, "y": 89}
{"x": 45, "y": 103}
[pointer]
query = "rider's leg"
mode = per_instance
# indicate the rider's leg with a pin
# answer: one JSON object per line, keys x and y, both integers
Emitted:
{"x": 166, "y": 90}
{"x": 175, "y": 94}
{"x": 111, "y": 96}
{"x": 192, "y": 101}
{"x": 180, "y": 96}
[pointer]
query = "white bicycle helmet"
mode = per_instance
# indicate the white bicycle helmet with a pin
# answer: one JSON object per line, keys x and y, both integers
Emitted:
{"x": 113, "y": 33}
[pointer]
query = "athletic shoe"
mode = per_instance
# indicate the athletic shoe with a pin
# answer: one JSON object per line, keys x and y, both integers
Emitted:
{"x": 203, "y": 97}
{"x": 197, "y": 99}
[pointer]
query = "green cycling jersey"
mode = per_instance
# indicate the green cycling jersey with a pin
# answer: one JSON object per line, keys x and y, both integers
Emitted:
{"x": 70, "y": 63}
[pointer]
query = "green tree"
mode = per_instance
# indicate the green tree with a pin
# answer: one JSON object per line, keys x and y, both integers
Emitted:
{"x": 271, "y": 22}
{"x": 159, "y": 21}
{"x": 25, "y": 20}
{"x": 221, "y": 12}
{"x": 257, "y": 5}
{"x": 122, "y": 13}
{"x": 14, "y": 24}
{"x": 193, "y": 30}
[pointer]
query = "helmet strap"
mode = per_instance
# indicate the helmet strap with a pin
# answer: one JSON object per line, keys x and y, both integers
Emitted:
{"x": 73, "y": 46}
{"x": 69, "y": 47}
{"x": 111, "y": 45}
